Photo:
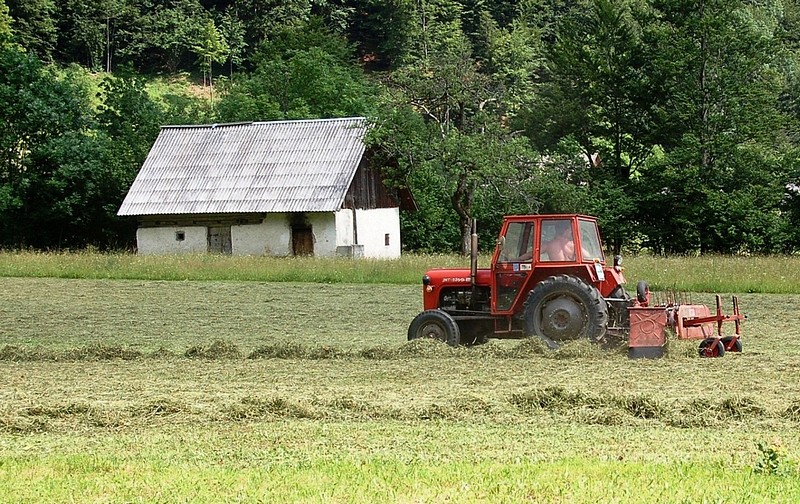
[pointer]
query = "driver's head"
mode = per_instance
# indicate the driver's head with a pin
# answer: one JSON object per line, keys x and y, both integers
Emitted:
{"x": 563, "y": 228}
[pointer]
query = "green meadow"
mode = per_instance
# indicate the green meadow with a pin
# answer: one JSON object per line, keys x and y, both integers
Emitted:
{"x": 208, "y": 379}
{"x": 754, "y": 274}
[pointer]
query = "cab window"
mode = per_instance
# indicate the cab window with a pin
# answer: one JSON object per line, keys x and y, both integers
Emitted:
{"x": 590, "y": 241}
{"x": 518, "y": 243}
{"x": 557, "y": 242}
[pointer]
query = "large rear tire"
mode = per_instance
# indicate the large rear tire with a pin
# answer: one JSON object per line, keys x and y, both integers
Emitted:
{"x": 564, "y": 308}
{"x": 435, "y": 324}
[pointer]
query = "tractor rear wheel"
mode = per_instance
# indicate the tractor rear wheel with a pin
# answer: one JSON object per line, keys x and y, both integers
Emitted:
{"x": 435, "y": 324}
{"x": 562, "y": 308}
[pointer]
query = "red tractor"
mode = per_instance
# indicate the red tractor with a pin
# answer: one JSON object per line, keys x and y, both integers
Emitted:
{"x": 549, "y": 279}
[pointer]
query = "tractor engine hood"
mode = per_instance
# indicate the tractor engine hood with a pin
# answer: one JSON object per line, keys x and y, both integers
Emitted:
{"x": 457, "y": 278}
{"x": 460, "y": 277}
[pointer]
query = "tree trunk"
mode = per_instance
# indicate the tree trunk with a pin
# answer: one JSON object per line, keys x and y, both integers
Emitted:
{"x": 462, "y": 204}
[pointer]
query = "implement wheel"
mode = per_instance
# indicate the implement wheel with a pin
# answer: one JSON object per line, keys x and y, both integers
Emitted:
{"x": 711, "y": 347}
{"x": 435, "y": 324}
{"x": 643, "y": 292}
{"x": 618, "y": 315}
{"x": 731, "y": 345}
{"x": 563, "y": 308}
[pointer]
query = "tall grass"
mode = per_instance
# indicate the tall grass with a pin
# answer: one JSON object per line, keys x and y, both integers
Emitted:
{"x": 126, "y": 266}
{"x": 753, "y": 274}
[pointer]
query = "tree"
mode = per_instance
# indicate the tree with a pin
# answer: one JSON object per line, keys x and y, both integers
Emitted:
{"x": 35, "y": 25}
{"x": 129, "y": 117}
{"x": 87, "y": 31}
{"x": 465, "y": 144}
{"x": 211, "y": 49}
{"x": 232, "y": 31}
{"x": 41, "y": 114}
{"x": 6, "y": 33}
{"x": 383, "y": 31}
{"x": 263, "y": 18}
{"x": 304, "y": 73}
{"x": 162, "y": 34}
{"x": 720, "y": 174}
{"x": 597, "y": 98}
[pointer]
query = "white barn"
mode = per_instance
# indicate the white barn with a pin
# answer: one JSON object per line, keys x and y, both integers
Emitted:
{"x": 264, "y": 188}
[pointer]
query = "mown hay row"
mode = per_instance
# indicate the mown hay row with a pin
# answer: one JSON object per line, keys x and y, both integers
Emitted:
{"x": 593, "y": 408}
{"x": 227, "y": 350}
{"x": 568, "y": 406}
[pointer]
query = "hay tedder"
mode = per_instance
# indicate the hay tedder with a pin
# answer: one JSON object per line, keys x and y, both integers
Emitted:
{"x": 549, "y": 279}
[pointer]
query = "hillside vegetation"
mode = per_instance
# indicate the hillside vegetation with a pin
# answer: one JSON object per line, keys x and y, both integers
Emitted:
{"x": 675, "y": 123}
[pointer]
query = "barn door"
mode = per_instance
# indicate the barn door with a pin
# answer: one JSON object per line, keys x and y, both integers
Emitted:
{"x": 302, "y": 241}
{"x": 219, "y": 240}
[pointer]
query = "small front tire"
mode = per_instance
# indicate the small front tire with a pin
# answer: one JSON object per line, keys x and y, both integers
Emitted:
{"x": 435, "y": 324}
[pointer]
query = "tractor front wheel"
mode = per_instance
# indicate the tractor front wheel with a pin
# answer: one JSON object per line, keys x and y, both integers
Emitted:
{"x": 435, "y": 324}
{"x": 562, "y": 308}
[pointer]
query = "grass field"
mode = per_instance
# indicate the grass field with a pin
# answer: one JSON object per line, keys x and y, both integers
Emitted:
{"x": 252, "y": 391}
{"x": 753, "y": 274}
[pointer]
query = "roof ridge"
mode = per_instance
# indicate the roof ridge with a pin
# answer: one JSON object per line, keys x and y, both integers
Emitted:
{"x": 248, "y": 123}
{"x": 329, "y": 119}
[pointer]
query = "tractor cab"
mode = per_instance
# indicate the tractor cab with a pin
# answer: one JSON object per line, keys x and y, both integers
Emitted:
{"x": 533, "y": 247}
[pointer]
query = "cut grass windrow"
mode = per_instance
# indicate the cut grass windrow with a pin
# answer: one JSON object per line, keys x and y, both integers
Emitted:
{"x": 423, "y": 348}
{"x": 570, "y": 406}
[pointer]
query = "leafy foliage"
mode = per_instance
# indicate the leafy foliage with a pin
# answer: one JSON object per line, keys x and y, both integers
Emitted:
{"x": 304, "y": 74}
{"x": 676, "y": 123}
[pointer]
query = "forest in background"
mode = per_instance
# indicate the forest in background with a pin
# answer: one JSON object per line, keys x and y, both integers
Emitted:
{"x": 676, "y": 122}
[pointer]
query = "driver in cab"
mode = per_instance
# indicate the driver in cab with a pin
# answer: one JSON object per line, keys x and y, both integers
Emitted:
{"x": 562, "y": 246}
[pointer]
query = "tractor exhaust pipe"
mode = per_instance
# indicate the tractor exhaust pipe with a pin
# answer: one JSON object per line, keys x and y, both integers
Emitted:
{"x": 473, "y": 260}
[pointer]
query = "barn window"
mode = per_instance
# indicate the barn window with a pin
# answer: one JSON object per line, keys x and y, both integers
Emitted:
{"x": 386, "y": 239}
{"x": 180, "y": 235}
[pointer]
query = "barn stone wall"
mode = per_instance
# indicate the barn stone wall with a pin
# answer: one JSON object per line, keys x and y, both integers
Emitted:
{"x": 377, "y": 234}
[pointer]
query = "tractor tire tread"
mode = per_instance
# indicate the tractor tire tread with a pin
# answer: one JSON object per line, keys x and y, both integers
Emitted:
{"x": 452, "y": 333}
{"x": 595, "y": 305}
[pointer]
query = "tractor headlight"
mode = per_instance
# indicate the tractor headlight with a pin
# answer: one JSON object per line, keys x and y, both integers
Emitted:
{"x": 426, "y": 280}
{"x": 618, "y": 262}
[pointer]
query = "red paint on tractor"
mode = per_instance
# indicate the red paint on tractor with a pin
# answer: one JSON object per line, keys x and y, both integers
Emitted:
{"x": 548, "y": 278}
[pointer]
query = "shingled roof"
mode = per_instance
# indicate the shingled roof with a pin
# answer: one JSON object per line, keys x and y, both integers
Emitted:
{"x": 260, "y": 167}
